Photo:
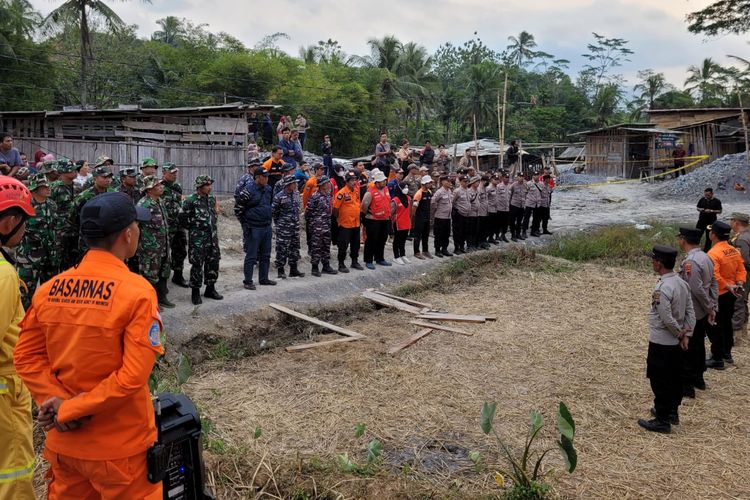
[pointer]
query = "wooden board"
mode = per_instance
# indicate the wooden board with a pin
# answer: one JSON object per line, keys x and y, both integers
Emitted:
{"x": 315, "y": 321}
{"x": 409, "y": 341}
{"x": 388, "y": 302}
{"x": 453, "y": 317}
{"x": 401, "y": 299}
{"x": 302, "y": 347}
{"x": 435, "y": 326}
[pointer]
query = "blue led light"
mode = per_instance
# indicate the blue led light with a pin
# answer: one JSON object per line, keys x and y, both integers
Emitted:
{"x": 182, "y": 469}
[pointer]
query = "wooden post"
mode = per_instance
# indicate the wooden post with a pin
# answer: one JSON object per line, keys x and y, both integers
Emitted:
{"x": 520, "y": 156}
{"x": 476, "y": 143}
{"x": 744, "y": 125}
{"x": 502, "y": 127}
{"x": 453, "y": 161}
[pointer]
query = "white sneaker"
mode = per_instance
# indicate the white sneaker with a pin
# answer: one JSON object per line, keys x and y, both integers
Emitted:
{"x": 406, "y": 260}
{"x": 398, "y": 260}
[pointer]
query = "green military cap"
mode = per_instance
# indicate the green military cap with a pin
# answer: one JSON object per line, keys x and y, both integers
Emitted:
{"x": 47, "y": 167}
{"x": 64, "y": 165}
{"x": 150, "y": 181}
{"x": 169, "y": 167}
{"x": 102, "y": 160}
{"x": 149, "y": 162}
{"x": 740, "y": 217}
{"x": 102, "y": 171}
{"x": 36, "y": 181}
{"x": 203, "y": 180}
{"x": 128, "y": 172}
{"x": 22, "y": 174}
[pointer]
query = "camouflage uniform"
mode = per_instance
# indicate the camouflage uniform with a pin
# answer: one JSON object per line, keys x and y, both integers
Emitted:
{"x": 80, "y": 201}
{"x": 63, "y": 195}
{"x": 318, "y": 219}
{"x": 153, "y": 246}
{"x": 140, "y": 177}
{"x": 198, "y": 216}
{"x": 172, "y": 201}
{"x": 285, "y": 213}
{"x": 37, "y": 257}
{"x": 101, "y": 162}
{"x": 134, "y": 193}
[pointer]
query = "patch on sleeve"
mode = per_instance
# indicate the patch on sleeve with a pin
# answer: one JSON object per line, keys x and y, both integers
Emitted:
{"x": 656, "y": 298}
{"x": 340, "y": 196}
{"x": 688, "y": 266}
{"x": 154, "y": 334}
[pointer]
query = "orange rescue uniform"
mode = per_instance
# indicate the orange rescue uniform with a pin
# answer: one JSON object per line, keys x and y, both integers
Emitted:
{"x": 309, "y": 189}
{"x": 348, "y": 205}
{"x": 729, "y": 267}
{"x": 91, "y": 337}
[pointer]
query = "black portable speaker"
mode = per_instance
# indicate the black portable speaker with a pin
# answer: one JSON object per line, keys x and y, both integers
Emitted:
{"x": 178, "y": 456}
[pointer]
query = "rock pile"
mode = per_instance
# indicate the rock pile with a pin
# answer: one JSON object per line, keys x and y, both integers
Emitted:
{"x": 722, "y": 175}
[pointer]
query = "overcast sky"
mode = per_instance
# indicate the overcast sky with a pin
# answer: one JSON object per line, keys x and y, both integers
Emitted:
{"x": 656, "y": 29}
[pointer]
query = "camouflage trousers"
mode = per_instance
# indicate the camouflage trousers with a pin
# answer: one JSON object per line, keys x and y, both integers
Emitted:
{"x": 204, "y": 257}
{"x": 32, "y": 271}
{"x": 320, "y": 243}
{"x": 178, "y": 249}
{"x": 154, "y": 265}
{"x": 287, "y": 247}
{"x": 740, "y": 316}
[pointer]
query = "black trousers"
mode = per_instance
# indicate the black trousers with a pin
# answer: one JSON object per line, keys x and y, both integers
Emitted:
{"x": 544, "y": 215}
{"x": 516, "y": 220}
{"x": 695, "y": 357}
{"x": 707, "y": 244}
{"x": 722, "y": 335}
{"x": 483, "y": 229}
{"x": 399, "y": 243}
{"x": 377, "y": 235}
{"x": 459, "y": 231}
{"x": 348, "y": 237}
{"x": 442, "y": 234}
{"x": 536, "y": 221}
{"x": 503, "y": 219}
{"x": 527, "y": 213}
{"x": 664, "y": 371}
{"x": 334, "y": 230}
{"x": 472, "y": 223}
{"x": 421, "y": 233}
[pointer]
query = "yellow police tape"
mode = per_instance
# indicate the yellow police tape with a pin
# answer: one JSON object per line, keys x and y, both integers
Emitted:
{"x": 697, "y": 159}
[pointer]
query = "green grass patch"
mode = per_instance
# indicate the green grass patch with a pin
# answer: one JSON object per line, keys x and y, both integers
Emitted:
{"x": 618, "y": 245}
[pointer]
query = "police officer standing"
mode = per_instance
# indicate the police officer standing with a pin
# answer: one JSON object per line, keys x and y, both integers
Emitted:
{"x": 670, "y": 324}
{"x": 171, "y": 199}
{"x": 741, "y": 242}
{"x": 153, "y": 246}
{"x": 285, "y": 210}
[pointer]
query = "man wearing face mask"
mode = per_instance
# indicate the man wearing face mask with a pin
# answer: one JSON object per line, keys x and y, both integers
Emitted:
{"x": 441, "y": 208}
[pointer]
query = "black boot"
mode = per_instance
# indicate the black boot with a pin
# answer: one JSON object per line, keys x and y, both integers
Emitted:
{"x": 294, "y": 272}
{"x": 655, "y": 425}
{"x": 161, "y": 294}
{"x": 315, "y": 271}
{"x": 281, "y": 275}
{"x": 503, "y": 238}
{"x": 179, "y": 280}
{"x": 211, "y": 292}
{"x": 674, "y": 418}
{"x": 356, "y": 265}
{"x": 195, "y": 297}
{"x": 327, "y": 269}
{"x": 523, "y": 236}
{"x": 343, "y": 268}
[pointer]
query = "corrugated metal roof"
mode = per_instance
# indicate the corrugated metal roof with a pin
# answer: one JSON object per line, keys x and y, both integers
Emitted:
{"x": 653, "y": 130}
{"x": 127, "y": 110}
{"x": 690, "y": 110}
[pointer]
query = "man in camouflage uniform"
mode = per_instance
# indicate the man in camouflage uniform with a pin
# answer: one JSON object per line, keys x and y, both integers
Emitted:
{"x": 318, "y": 220}
{"x": 172, "y": 201}
{"x": 198, "y": 216}
{"x": 128, "y": 184}
{"x": 62, "y": 193}
{"x": 285, "y": 213}
{"x": 148, "y": 167}
{"x": 36, "y": 256}
{"x": 49, "y": 168}
{"x": 153, "y": 246}
{"x": 103, "y": 161}
{"x": 102, "y": 182}
{"x": 286, "y": 171}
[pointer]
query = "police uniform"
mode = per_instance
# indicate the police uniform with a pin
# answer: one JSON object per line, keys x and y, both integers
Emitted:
{"x": 97, "y": 328}
{"x": 285, "y": 210}
{"x": 671, "y": 314}
{"x": 531, "y": 204}
{"x": 503, "y": 209}
{"x": 441, "y": 208}
{"x": 516, "y": 200}
{"x": 741, "y": 242}
{"x": 472, "y": 221}
{"x": 460, "y": 215}
{"x": 153, "y": 245}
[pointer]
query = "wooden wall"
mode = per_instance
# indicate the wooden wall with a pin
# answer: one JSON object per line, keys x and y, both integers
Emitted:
{"x": 224, "y": 163}
{"x": 687, "y": 117}
{"x": 605, "y": 153}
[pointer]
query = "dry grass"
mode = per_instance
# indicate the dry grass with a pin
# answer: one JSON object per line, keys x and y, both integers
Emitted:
{"x": 578, "y": 336}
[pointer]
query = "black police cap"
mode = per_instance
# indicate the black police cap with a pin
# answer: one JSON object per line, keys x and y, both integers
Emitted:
{"x": 660, "y": 252}
{"x": 110, "y": 213}
{"x": 690, "y": 233}
{"x": 721, "y": 228}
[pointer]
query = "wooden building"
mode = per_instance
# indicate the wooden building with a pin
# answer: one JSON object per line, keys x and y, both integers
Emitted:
{"x": 204, "y": 140}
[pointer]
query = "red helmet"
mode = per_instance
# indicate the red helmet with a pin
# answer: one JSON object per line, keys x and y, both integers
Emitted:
{"x": 14, "y": 194}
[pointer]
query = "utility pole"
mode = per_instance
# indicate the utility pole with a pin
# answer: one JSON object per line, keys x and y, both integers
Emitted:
{"x": 499, "y": 133}
{"x": 744, "y": 126}
{"x": 476, "y": 143}
{"x": 502, "y": 126}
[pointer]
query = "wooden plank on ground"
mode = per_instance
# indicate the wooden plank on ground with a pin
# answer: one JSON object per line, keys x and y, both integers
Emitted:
{"x": 388, "y": 302}
{"x": 452, "y": 317}
{"x": 409, "y": 341}
{"x": 315, "y": 321}
{"x": 401, "y": 299}
{"x": 435, "y": 326}
{"x": 312, "y": 345}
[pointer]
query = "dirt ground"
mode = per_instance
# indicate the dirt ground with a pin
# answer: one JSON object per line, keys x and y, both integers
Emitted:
{"x": 572, "y": 333}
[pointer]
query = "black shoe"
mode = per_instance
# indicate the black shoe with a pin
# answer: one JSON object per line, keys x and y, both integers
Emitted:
{"x": 458, "y": 251}
{"x": 161, "y": 294}
{"x": 688, "y": 392}
{"x": 343, "y": 268}
{"x": 716, "y": 365}
{"x": 179, "y": 280}
{"x": 674, "y": 418}
{"x": 546, "y": 232}
{"x": 356, "y": 265}
{"x": 485, "y": 246}
{"x": 327, "y": 269}
{"x": 281, "y": 275}
{"x": 446, "y": 253}
{"x": 535, "y": 234}
{"x": 523, "y": 236}
{"x": 211, "y": 293}
{"x": 267, "y": 282}
{"x": 504, "y": 238}
{"x": 729, "y": 359}
{"x": 316, "y": 271}
{"x": 700, "y": 384}
{"x": 514, "y": 239}
{"x": 195, "y": 296}
{"x": 295, "y": 273}
{"x": 438, "y": 254}
{"x": 655, "y": 425}
{"x": 248, "y": 286}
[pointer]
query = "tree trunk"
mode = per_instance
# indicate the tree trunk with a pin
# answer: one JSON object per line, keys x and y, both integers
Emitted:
{"x": 418, "y": 120}
{"x": 86, "y": 55}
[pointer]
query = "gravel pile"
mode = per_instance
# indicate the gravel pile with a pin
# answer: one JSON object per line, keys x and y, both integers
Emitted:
{"x": 570, "y": 178}
{"x": 721, "y": 174}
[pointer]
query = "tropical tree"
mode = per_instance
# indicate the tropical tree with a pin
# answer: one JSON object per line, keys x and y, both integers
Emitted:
{"x": 481, "y": 86}
{"x": 413, "y": 71}
{"x": 18, "y": 20}
{"x": 606, "y": 103}
{"x": 651, "y": 86}
{"x": 171, "y": 31}
{"x": 521, "y": 48}
{"x": 706, "y": 80}
{"x": 724, "y": 16}
{"x": 82, "y": 12}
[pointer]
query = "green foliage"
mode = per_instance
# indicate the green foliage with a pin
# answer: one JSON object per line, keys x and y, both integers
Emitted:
{"x": 359, "y": 430}
{"x": 373, "y": 449}
{"x": 722, "y": 17}
{"x": 258, "y": 432}
{"x": 166, "y": 377}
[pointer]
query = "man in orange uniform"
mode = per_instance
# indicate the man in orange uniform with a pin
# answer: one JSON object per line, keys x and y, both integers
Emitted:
{"x": 730, "y": 273}
{"x": 346, "y": 206}
{"x": 16, "y": 446}
{"x": 86, "y": 350}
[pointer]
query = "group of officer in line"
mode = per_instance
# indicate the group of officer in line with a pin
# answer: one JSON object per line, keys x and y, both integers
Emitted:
{"x": 705, "y": 297}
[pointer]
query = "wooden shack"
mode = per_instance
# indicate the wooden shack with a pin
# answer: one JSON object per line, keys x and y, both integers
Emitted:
{"x": 199, "y": 140}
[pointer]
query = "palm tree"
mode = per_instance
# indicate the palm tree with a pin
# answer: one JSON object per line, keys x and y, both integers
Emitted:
{"x": 414, "y": 73}
{"x": 652, "y": 86}
{"x": 706, "y": 79}
{"x": 521, "y": 48}
{"x": 18, "y": 20}
{"x": 481, "y": 85}
{"x": 309, "y": 54}
{"x": 605, "y": 103}
{"x": 171, "y": 31}
{"x": 81, "y": 12}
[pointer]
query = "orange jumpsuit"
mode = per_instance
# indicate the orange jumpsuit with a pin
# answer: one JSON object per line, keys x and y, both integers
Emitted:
{"x": 91, "y": 337}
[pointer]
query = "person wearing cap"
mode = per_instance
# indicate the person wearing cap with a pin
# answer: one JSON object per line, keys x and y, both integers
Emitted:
{"x": 256, "y": 198}
{"x": 709, "y": 207}
{"x": 516, "y": 201}
{"x": 326, "y": 150}
{"x": 86, "y": 350}
{"x": 420, "y": 217}
{"x": 153, "y": 246}
{"x": 103, "y": 161}
{"x": 312, "y": 183}
{"x": 376, "y": 209}
{"x": 670, "y": 324}
{"x": 492, "y": 217}
{"x": 413, "y": 180}
{"x": 401, "y": 220}
{"x": 199, "y": 218}
{"x": 472, "y": 221}
{"x": 441, "y": 208}
{"x": 483, "y": 213}
{"x": 287, "y": 170}
{"x": 503, "y": 206}
{"x": 128, "y": 184}
{"x": 102, "y": 183}
{"x": 697, "y": 269}
{"x": 731, "y": 276}
{"x": 531, "y": 202}
{"x": 337, "y": 182}
{"x": 82, "y": 168}
{"x": 285, "y": 210}
{"x": 171, "y": 199}
{"x": 273, "y": 165}
{"x": 460, "y": 215}
{"x": 546, "y": 184}
{"x": 247, "y": 177}
{"x": 393, "y": 183}
{"x": 17, "y": 457}
{"x": 37, "y": 256}
{"x": 318, "y": 224}
{"x": 741, "y": 241}
{"x": 49, "y": 169}
{"x": 346, "y": 209}
{"x": 62, "y": 193}
{"x": 148, "y": 167}
{"x": 302, "y": 174}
